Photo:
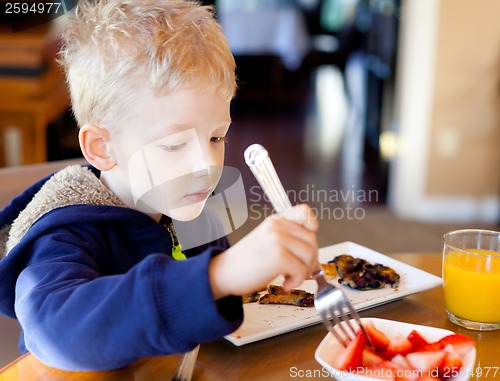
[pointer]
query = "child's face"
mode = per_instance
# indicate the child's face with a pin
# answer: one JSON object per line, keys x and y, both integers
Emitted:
{"x": 173, "y": 150}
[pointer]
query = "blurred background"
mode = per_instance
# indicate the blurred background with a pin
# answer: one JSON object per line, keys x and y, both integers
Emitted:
{"x": 384, "y": 115}
{"x": 388, "y": 107}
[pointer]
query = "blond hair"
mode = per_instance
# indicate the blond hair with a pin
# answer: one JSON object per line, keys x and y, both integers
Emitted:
{"x": 111, "y": 46}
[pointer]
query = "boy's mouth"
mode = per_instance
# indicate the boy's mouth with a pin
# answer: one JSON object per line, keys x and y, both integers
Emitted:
{"x": 199, "y": 196}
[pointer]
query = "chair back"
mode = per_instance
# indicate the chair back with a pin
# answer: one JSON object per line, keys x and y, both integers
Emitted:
{"x": 13, "y": 180}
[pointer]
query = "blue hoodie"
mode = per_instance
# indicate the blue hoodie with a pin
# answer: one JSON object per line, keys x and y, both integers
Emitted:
{"x": 92, "y": 282}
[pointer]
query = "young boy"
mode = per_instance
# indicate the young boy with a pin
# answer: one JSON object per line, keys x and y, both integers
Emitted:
{"x": 88, "y": 268}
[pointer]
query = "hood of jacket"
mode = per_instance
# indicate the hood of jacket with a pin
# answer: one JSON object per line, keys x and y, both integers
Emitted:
{"x": 73, "y": 185}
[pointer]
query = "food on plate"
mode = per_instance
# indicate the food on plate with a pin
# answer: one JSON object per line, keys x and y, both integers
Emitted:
{"x": 251, "y": 298}
{"x": 404, "y": 357}
{"x": 278, "y": 295}
{"x": 360, "y": 274}
{"x": 329, "y": 270}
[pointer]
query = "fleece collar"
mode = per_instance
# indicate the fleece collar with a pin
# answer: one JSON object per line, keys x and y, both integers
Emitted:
{"x": 74, "y": 185}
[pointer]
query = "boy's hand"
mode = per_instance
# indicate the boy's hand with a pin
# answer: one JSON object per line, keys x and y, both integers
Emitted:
{"x": 283, "y": 244}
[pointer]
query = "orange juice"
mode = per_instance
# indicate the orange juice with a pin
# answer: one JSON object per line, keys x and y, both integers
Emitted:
{"x": 471, "y": 284}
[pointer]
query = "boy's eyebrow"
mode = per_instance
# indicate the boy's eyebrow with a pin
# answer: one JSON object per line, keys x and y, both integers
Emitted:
{"x": 178, "y": 127}
{"x": 183, "y": 127}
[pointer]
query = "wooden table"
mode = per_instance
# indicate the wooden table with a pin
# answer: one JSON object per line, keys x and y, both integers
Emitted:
{"x": 289, "y": 356}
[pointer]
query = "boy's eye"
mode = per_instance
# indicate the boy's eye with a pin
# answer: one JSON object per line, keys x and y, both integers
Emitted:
{"x": 173, "y": 148}
{"x": 217, "y": 139}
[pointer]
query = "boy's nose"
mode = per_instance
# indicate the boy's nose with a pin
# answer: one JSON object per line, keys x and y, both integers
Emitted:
{"x": 208, "y": 161}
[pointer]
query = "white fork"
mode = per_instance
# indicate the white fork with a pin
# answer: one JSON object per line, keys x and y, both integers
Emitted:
{"x": 330, "y": 301}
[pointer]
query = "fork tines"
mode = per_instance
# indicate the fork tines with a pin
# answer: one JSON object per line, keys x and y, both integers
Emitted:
{"x": 345, "y": 319}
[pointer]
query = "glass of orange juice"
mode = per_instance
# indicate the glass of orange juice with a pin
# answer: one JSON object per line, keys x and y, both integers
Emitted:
{"x": 471, "y": 278}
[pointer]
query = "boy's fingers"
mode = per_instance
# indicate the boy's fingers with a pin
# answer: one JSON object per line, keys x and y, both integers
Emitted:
{"x": 294, "y": 277}
{"x": 291, "y": 283}
{"x": 303, "y": 215}
{"x": 301, "y": 241}
{"x": 304, "y": 253}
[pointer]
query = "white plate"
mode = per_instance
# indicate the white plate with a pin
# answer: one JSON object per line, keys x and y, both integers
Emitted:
{"x": 329, "y": 348}
{"x": 263, "y": 321}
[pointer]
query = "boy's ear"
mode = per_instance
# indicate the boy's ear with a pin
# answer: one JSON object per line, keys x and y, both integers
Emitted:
{"x": 94, "y": 143}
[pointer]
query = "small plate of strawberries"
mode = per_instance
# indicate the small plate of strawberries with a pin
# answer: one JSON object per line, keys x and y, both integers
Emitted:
{"x": 392, "y": 350}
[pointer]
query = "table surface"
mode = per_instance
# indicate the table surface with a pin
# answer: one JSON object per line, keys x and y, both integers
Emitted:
{"x": 283, "y": 357}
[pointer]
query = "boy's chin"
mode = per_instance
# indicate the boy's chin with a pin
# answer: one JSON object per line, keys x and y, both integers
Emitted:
{"x": 152, "y": 203}
{"x": 187, "y": 212}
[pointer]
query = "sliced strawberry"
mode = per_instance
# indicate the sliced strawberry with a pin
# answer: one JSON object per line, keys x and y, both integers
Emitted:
{"x": 352, "y": 356}
{"x": 416, "y": 339}
{"x": 431, "y": 347}
{"x": 379, "y": 340}
{"x": 451, "y": 364}
{"x": 462, "y": 344}
{"x": 387, "y": 370}
{"x": 381, "y": 371}
{"x": 426, "y": 361}
{"x": 399, "y": 345}
{"x": 401, "y": 361}
{"x": 370, "y": 358}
